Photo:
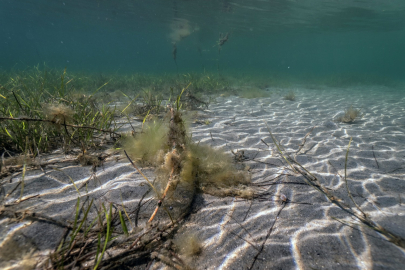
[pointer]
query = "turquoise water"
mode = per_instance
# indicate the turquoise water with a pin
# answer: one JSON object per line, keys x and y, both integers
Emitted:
{"x": 356, "y": 48}
{"x": 291, "y": 38}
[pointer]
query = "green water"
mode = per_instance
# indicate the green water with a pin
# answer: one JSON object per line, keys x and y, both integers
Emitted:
{"x": 294, "y": 39}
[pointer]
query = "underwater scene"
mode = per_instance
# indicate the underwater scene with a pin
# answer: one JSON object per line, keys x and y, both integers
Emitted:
{"x": 215, "y": 134}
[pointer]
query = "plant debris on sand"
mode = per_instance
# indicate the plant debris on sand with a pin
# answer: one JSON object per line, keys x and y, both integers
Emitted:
{"x": 290, "y": 96}
{"x": 182, "y": 169}
{"x": 350, "y": 115}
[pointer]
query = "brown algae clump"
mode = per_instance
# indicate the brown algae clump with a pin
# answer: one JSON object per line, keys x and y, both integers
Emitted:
{"x": 350, "y": 115}
{"x": 188, "y": 244}
{"x": 148, "y": 147}
{"x": 183, "y": 167}
{"x": 59, "y": 113}
{"x": 215, "y": 174}
{"x": 290, "y": 96}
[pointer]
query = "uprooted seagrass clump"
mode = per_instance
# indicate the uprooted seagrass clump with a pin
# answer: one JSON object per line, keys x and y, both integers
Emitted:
{"x": 183, "y": 167}
{"x": 351, "y": 114}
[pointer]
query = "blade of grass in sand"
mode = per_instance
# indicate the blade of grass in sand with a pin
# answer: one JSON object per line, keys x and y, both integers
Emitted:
{"x": 129, "y": 104}
{"x": 107, "y": 237}
{"x": 98, "y": 248}
{"x": 178, "y": 106}
{"x": 92, "y": 223}
{"x": 60, "y": 246}
{"x": 144, "y": 119}
{"x": 99, "y": 89}
{"x": 8, "y": 133}
{"x": 124, "y": 226}
{"x": 75, "y": 232}
{"x": 76, "y": 216}
{"x": 125, "y": 211}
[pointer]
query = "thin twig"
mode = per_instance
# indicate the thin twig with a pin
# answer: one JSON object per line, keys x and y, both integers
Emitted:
{"x": 372, "y": 147}
{"x": 250, "y": 243}
{"x": 267, "y": 237}
{"x": 138, "y": 209}
{"x": 265, "y": 143}
{"x": 303, "y": 141}
{"x": 240, "y": 225}
{"x": 247, "y": 212}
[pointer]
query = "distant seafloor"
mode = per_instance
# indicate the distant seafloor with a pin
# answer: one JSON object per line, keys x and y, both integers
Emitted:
{"x": 309, "y": 232}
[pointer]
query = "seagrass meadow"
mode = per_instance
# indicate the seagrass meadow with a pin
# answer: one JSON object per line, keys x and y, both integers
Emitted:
{"x": 202, "y": 134}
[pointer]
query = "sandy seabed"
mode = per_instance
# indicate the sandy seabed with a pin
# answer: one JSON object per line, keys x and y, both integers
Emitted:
{"x": 309, "y": 231}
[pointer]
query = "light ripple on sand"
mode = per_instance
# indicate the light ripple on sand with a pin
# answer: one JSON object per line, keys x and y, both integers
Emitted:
{"x": 304, "y": 236}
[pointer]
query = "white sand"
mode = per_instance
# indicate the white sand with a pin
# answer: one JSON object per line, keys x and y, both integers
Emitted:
{"x": 305, "y": 236}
